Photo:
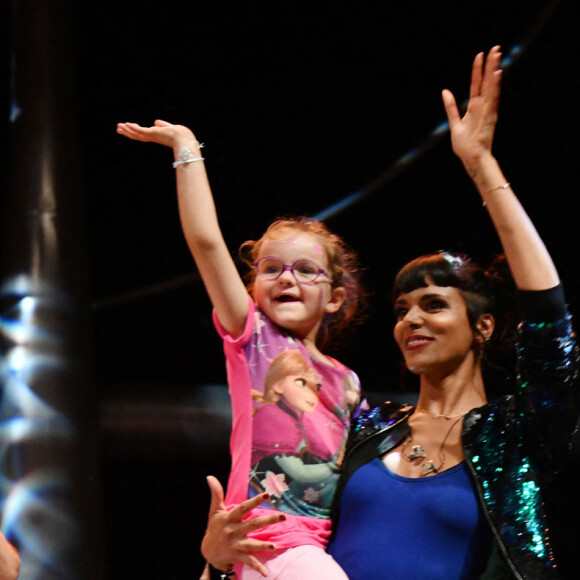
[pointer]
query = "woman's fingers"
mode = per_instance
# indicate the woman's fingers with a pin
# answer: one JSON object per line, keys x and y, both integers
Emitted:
{"x": 472, "y": 134}
{"x": 245, "y": 507}
{"x": 492, "y": 76}
{"x": 254, "y": 563}
{"x": 476, "y": 76}
{"x": 491, "y": 65}
{"x": 450, "y": 107}
{"x": 225, "y": 540}
{"x": 262, "y": 522}
{"x": 217, "y": 495}
{"x": 484, "y": 74}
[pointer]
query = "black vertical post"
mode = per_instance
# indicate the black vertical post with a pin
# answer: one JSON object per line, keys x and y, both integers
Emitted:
{"x": 49, "y": 478}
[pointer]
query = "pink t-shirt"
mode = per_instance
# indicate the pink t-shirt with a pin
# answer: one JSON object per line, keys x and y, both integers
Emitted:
{"x": 291, "y": 416}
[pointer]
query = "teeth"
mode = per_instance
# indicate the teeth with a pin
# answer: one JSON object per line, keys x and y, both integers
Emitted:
{"x": 417, "y": 340}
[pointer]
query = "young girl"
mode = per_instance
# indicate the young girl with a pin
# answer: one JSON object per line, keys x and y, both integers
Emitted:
{"x": 303, "y": 286}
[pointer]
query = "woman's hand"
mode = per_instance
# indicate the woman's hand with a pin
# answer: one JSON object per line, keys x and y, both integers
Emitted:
{"x": 225, "y": 540}
{"x": 472, "y": 134}
{"x": 471, "y": 138}
{"x": 162, "y": 132}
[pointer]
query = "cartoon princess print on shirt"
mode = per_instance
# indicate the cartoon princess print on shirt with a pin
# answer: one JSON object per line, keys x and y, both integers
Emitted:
{"x": 288, "y": 460}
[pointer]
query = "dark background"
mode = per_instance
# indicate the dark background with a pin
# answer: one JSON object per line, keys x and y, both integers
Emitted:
{"x": 299, "y": 105}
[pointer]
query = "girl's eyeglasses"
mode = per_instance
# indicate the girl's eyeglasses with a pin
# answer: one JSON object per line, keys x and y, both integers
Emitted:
{"x": 304, "y": 271}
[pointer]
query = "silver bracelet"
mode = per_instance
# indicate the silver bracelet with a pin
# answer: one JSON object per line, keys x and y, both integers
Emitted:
{"x": 186, "y": 161}
{"x": 185, "y": 155}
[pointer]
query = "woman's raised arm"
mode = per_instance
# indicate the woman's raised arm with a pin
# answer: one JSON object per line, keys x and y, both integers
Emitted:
{"x": 471, "y": 138}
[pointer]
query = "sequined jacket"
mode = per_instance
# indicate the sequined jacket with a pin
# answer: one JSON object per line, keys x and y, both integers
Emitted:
{"x": 512, "y": 448}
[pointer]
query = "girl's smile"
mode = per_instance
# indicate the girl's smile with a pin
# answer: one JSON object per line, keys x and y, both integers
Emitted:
{"x": 297, "y": 307}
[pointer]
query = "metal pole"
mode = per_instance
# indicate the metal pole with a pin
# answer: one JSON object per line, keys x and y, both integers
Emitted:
{"x": 49, "y": 478}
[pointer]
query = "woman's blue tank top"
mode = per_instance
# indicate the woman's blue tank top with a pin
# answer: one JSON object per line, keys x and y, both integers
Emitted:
{"x": 401, "y": 528}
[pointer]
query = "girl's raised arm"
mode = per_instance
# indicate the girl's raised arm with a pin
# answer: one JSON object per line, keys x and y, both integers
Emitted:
{"x": 199, "y": 221}
{"x": 471, "y": 139}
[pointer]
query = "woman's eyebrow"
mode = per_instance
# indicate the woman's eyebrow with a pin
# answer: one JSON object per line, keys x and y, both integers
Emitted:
{"x": 433, "y": 295}
{"x": 403, "y": 301}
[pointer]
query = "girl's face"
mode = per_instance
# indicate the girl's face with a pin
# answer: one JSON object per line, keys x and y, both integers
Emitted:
{"x": 296, "y": 307}
{"x": 433, "y": 330}
{"x": 300, "y": 392}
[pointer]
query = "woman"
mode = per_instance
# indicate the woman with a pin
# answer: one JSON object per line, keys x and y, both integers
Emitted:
{"x": 452, "y": 488}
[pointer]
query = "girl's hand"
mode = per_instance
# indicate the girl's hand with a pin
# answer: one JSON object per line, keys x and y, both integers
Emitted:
{"x": 225, "y": 540}
{"x": 162, "y": 132}
{"x": 472, "y": 135}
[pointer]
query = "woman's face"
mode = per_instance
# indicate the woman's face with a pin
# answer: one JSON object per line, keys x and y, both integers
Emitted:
{"x": 433, "y": 330}
{"x": 299, "y": 391}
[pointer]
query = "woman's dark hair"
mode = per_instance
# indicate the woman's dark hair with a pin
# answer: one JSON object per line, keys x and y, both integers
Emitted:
{"x": 485, "y": 291}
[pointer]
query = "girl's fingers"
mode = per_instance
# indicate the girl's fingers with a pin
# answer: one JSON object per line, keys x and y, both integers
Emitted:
{"x": 132, "y": 131}
{"x": 160, "y": 132}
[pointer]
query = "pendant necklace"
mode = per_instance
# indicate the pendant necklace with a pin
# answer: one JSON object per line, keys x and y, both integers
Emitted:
{"x": 417, "y": 452}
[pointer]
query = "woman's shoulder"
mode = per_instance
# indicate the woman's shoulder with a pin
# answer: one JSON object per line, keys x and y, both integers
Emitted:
{"x": 374, "y": 432}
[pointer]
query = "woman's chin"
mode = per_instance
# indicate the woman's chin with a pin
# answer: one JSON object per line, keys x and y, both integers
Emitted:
{"x": 416, "y": 369}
